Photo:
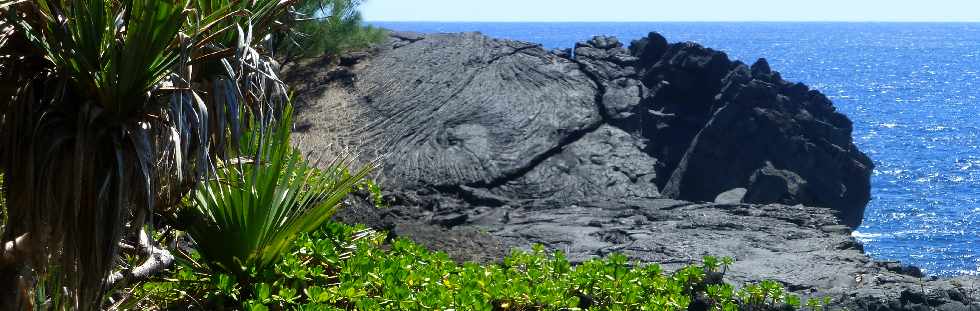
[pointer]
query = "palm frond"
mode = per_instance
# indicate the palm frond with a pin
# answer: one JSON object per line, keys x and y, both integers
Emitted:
{"x": 248, "y": 212}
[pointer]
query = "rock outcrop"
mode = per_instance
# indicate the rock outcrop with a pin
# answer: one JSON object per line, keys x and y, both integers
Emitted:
{"x": 761, "y": 125}
{"x": 715, "y": 123}
{"x": 606, "y": 148}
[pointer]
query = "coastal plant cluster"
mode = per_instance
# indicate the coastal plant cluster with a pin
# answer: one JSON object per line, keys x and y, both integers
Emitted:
{"x": 147, "y": 163}
{"x": 341, "y": 267}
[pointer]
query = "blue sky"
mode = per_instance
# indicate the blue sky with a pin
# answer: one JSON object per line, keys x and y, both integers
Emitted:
{"x": 672, "y": 10}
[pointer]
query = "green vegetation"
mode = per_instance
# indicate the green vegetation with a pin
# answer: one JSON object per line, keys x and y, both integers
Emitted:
{"x": 330, "y": 28}
{"x": 244, "y": 216}
{"x": 339, "y": 267}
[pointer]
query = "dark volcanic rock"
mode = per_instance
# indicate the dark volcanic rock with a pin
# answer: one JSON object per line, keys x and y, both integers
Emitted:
{"x": 684, "y": 83}
{"x": 511, "y": 118}
{"x": 604, "y": 163}
{"x": 490, "y": 144}
{"x": 771, "y": 185}
{"x": 649, "y": 50}
{"x": 765, "y": 129}
{"x": 610, "y": 65}
{"x": 470, "y": 110}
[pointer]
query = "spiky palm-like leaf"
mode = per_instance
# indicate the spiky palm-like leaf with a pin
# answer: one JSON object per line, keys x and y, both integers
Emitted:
{"x": 248, "y": 213}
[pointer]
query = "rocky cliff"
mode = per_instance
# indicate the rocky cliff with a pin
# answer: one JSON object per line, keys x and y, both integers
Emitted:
{"x": 664, "y": 152}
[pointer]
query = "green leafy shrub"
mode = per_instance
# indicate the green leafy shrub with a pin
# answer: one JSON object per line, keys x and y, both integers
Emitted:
{"x": 349, "y": 268}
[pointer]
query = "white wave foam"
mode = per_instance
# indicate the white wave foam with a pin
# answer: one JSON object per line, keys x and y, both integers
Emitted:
{"x": 864, "y": 236}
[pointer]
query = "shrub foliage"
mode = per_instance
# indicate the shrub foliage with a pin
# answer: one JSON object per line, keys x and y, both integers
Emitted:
{"x": 340, "y": 267}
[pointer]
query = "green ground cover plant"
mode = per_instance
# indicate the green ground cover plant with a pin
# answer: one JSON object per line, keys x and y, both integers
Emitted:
{"x": 341, "y": 267}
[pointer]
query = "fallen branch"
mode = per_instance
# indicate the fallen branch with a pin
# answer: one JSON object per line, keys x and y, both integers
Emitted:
{"x": 158, "y": 259}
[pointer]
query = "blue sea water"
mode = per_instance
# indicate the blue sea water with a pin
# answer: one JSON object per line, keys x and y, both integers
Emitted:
{"x": 912, "y": 90}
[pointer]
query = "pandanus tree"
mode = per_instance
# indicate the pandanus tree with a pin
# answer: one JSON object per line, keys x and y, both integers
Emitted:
{"x": 110, "y": 109}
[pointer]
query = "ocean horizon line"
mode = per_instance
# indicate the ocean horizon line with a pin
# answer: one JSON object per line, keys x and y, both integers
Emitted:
{"x": 692, "y": 21}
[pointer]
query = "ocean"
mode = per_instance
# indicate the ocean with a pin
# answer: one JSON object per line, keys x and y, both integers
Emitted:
{"x": 912, "y": 90}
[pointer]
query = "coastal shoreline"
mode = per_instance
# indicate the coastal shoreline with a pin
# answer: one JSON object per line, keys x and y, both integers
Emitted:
{"x": 496, "y": 144}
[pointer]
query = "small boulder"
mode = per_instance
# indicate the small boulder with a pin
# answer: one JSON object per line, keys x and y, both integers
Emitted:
{"x": 771, "y": 185}
{"x": 731, "y": 196}
{"x": 649, "y": 49}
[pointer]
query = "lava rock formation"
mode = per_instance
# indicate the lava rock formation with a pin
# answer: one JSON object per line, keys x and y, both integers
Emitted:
{"x": 664, "y": 152}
